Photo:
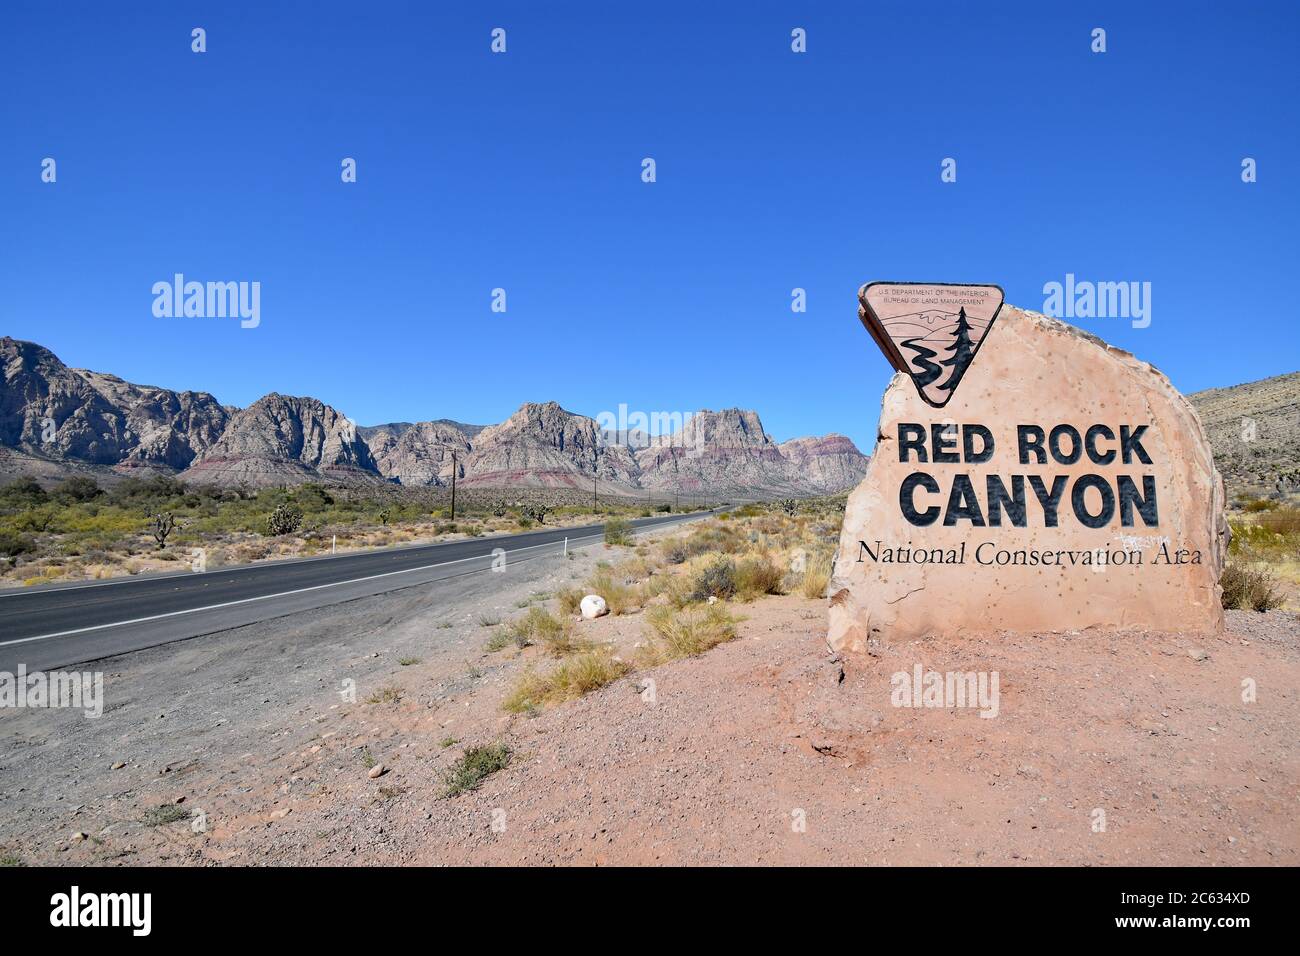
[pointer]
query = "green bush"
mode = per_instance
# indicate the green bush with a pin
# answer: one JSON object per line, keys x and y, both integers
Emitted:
{"x": 717, "y": 579}
{"x": 12, "y": 544}
{"x": 474, "y": 766}
{"x": 1246, "y": 588}
{"x": 78, "y": 488}
{"x": 618, "y": 531}
{"x": 23, "y": 493}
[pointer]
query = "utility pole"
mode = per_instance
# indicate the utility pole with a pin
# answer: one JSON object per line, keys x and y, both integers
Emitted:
{"x": 453, "y": 486}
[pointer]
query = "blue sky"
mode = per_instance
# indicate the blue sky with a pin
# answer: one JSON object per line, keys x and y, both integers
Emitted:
{"x": 522, "y": 170}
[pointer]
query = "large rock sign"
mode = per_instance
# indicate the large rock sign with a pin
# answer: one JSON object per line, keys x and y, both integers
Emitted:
{"x": 1064, "y": 485}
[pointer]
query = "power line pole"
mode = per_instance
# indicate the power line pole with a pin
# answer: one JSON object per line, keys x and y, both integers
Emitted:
{"x": 453, "y": 486}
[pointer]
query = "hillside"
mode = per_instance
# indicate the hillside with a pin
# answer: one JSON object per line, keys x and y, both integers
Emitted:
{"x": 1254, "y": 429}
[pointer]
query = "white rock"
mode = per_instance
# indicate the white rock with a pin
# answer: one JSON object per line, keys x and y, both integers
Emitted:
{"x": 592, "y": 606}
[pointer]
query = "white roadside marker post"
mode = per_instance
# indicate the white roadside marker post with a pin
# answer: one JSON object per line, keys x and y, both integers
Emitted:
{"x": 334, "y": 544}
{"x": 566, "y": 547}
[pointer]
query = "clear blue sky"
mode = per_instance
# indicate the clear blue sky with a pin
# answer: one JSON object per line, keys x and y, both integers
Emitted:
{"x": 522, "y": 171}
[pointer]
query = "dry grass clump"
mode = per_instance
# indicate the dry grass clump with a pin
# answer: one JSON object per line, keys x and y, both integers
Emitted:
{"x": 619, "y": 596}
{"x": 570, "y": 599}
{"x": 758, "y": 575}
{"x": 816, "y": 575}
{"x": 538, "y": 626}
{"x": 685, "y": 633}
{"x": 574, "y": 676}
{"x": 1247, "y": 588}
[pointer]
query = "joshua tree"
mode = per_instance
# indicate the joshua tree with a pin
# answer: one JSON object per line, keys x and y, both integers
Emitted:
{"x": 790, "y": 506}
{"x": 384, "y": 515}
{"x": 164, "y": 523}
{"x": 538, "y": 513}
{"x": 499, "y": 509}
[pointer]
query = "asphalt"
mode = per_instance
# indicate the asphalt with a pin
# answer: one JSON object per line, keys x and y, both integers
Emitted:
{"x": 57, "y": 626}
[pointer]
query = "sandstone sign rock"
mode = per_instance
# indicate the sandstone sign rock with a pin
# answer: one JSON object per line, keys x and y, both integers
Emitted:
{"x": 1065, "y": 485}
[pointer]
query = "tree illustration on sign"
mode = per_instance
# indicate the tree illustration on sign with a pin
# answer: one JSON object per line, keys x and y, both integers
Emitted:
{"x": 962, "y": 350}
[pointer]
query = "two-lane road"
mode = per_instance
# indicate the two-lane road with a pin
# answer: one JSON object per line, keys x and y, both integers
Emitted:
{"x": 55, "y": 626}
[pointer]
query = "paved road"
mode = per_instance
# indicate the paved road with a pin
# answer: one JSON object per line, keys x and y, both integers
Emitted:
{"x": 56, "y": 626}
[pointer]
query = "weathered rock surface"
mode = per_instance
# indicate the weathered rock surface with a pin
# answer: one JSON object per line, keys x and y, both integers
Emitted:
{"x": 896, "y": 578}
{"x": 420, "y": 454}
{"x": 281, "y": 439}
{"x": 99, "y": 419}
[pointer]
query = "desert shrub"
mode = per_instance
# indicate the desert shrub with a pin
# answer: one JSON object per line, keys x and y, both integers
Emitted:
{"x": 163, "y": 814}
{"x": 757, "y": 576}
{"x": 474, "y": 766}
{"x": 1283, "y": 521}
{"x": 568, "y": 680}
{"x": 539, "y": 626}
{"x": 385, "y": 695}
{"x": 78, "y": 488}
{"x": 285, "y": 519}
{"x": 1257, "y": 505}
{"x": 618, "y": 531}
{"x": 570, "y": 599}
{"x": 22, "y": 493}
{"x": 12, "y": 544}
{"x": 499, "y": 641}
{"x": 716, "y": 579}
{"x": 1247, "y": 588}
{"x": 685, "y": 633}
{"x": 619, "y": 597}
{"x": 816, "y": 575}
{"x": 313, "y": 496}
{"x": 674, "y": 551}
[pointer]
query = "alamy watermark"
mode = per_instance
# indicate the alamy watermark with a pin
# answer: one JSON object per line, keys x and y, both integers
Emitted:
{"x": 1072, "y": 299}
{"x": 80, "y": 689}
{"x": 208, "y": 300}
{"x": 922, "y": 688}
{"x": 642, "y": 429}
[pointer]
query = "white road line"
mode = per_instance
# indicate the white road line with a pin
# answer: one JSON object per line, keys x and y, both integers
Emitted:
{"x": 265, "y": 597}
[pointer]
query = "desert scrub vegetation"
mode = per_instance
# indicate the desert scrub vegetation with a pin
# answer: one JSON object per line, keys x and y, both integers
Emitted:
{"x": 385, "y": 695}
{"x": 685, "y": 633}
{"x": 163, "y": 814}
{"x": 717, "y": 579}
{"x": 1246, "y": 588}
{"x": 618, "y": 531}
{"x": 538, "y": 626}
{"x": 574, "y": 676}
{"x": 1263, "y": 555}
{"x": 684, "y": 584}
{"x": 474, "y": 766}
{"x": 816, "y": 575}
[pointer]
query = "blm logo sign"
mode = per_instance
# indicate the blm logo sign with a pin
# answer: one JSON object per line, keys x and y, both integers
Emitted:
{"x": 930, "y": 331}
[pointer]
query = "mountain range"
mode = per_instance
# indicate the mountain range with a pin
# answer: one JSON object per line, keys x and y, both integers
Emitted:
{"x": 56, "y": 420}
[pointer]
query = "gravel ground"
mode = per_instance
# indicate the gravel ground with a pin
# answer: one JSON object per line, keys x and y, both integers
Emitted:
{"x": 1109, "y": 748}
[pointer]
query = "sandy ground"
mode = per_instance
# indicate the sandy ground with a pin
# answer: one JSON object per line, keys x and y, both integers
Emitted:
{"x": 1108, "y": 748}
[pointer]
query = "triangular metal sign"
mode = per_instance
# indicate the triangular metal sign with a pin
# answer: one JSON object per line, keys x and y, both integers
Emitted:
{"x": 930, "y": 330}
